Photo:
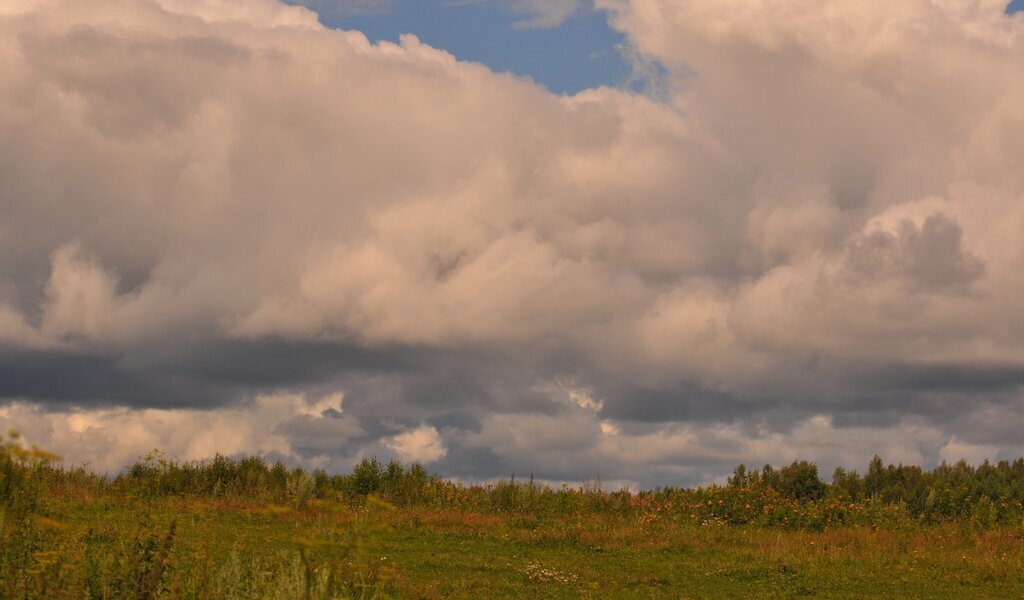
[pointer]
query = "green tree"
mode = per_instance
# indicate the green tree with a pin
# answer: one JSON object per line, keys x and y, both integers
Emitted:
{"x": 800, "y": 481}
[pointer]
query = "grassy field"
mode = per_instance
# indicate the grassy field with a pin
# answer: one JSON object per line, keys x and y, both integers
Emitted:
{"x": 244, "y": 529}
{"x": 120, "y": 547}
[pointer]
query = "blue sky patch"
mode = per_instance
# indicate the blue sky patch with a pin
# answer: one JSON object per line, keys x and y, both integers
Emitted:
{"x": 579, "y": 53}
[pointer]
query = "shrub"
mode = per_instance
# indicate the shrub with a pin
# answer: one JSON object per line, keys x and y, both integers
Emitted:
{"x": 300, "y": 488}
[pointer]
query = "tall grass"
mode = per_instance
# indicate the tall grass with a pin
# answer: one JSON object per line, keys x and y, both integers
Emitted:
{"x": 142, "y": 554}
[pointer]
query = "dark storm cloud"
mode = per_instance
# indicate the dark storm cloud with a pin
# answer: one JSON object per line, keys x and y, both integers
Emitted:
{"x": 281, "y": 363}
{"x": 951, "y": 377}
{"x": 91, "y": 380}
{"x": 204, "y": 373}
{"x": 686, "y": 401}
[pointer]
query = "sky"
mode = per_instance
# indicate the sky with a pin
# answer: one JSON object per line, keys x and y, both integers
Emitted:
{"x": 565, "y": 45}
{"x": 640, "y": 240}
{"x": 569, "y": 49}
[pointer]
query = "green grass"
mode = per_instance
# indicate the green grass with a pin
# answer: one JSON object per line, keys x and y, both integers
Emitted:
{"x": 331, "y": 549}
{"x": 244, "y": 529}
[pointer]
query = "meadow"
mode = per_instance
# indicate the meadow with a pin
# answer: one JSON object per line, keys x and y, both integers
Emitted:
{"x": 241, "y": 528}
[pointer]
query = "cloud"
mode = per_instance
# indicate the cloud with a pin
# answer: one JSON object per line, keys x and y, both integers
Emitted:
{"x": 423, "y": 445}
{"x": 278, "y": 426}
{"x": 345, "y": 8}
{"x": 544, "y": 14}
{"x": 536, "y": 14}
{"x": 809, "y": 233}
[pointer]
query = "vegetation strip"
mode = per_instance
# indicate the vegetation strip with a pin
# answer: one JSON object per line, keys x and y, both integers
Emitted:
{"x": 230, "y": 528}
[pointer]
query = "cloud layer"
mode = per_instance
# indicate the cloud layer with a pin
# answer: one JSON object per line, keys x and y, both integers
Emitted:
{"x": 807, "y": 244}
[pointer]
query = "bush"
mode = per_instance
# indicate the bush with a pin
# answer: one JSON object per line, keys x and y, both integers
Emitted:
{"x": 300, "y": 488}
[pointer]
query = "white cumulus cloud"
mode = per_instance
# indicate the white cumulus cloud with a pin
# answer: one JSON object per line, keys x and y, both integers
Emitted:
{"x": 818, "y": 214}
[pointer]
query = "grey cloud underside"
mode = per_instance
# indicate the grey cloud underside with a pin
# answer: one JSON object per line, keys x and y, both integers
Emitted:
{"x": 201, "y": 374}
{"x": 423, "y": 382}
{"x": 221, "y": 218}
